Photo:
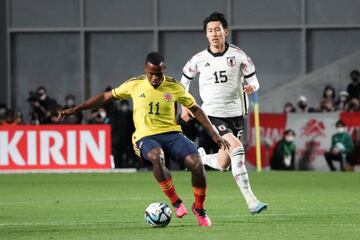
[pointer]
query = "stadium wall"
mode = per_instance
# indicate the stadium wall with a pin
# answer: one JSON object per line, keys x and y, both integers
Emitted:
{"x": 83, "y": 46}
{"x": 3, "y": 48}
{"x": 337, "y": 74}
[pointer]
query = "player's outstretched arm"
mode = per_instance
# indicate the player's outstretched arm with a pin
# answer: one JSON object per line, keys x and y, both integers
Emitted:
{"x": 204, "y": 120}
{"x": 93, "y": 102}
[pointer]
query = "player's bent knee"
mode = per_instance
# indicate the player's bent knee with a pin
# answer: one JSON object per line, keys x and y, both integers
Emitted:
{"x": 193, "y": 163}
{"x": 156, "y": 156}
{"x": 224, "y": 168}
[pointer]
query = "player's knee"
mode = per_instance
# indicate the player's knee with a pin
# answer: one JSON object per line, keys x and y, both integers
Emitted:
{"x": 194, "y": 164}
{"x": 156, "y": 156}
{"x": 223, "y": 167}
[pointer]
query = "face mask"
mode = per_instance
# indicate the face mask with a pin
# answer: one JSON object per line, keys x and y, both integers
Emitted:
{"x": 340, "y": 129}
{"x": 302, "y": 105}
{"x": 102, "y": 114}
{"x": 2, "y": 111}
{"x": 355, "y": 79}
{"x": 328, "y": 93}
{"x": 42, "y": 97}
{"x": 289, "y": 138}
{"x": 70, "y": 102}
{"x": 288, "y": 109}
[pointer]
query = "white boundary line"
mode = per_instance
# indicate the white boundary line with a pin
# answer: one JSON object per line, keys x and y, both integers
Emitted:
{"x": 62, "y": 171}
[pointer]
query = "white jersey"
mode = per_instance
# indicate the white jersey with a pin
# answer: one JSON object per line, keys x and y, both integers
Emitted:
{"x": 221, "y": 80}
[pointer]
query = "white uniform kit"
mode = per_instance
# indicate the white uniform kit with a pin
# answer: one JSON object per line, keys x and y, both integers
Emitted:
{"x": 227, "y": 69}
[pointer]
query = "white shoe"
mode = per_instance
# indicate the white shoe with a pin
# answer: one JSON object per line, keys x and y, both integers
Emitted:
{"x": 259, "y": 207}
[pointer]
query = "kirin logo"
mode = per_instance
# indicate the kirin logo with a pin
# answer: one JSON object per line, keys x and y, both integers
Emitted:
{"x": 313, "y": 128}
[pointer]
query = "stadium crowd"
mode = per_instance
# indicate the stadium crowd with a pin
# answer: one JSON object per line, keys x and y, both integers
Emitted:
{"x": 44, "y": 110}
{"x": 347, "y": 100}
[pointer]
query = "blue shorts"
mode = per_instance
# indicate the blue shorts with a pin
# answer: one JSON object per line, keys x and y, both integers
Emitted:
{"x": 174, "y": 144}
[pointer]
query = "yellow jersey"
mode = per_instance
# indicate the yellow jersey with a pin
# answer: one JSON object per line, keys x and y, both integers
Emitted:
{"x": 154, "y": 108}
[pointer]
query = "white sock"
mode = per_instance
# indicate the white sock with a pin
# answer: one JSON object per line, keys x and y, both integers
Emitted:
{"x": 210, "y": 160}
{"x": 241, "y": 176}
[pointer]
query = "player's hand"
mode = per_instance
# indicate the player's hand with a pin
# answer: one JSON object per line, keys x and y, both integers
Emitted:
{"x": 66, "y": 112}
{"x": 186, "y": 114}
{"x": 249, "y": 89}
{"x": 221, "y": 142}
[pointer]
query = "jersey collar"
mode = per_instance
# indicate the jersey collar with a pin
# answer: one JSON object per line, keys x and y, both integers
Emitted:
{"x": 151, "y": 86}
{"x": 220, "y": 54}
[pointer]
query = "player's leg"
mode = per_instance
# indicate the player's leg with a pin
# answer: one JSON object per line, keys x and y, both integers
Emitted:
{"x": 219, "y": 160}
{"x": 238, "y": 169}
{"x": 150, "y": 150}
{"x": 198, "y": 179}
{"x": 183, "y": 149}
{"x": 228, "y": 128}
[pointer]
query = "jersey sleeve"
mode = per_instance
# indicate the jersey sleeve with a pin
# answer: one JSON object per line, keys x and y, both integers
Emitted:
{"x": 185, "y": 98}
{"x": 190, "y": 69}
{"x": 123, "y": 91}
{"x": 247, "y": 66}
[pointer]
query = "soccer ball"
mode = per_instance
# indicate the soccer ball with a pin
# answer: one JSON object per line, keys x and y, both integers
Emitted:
{"x": 158, "y": 214}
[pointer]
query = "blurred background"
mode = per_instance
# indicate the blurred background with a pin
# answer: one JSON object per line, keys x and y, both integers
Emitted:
{"x": 78, "y": 48}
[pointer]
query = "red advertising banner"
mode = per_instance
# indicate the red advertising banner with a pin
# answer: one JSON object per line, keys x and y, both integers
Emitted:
{"x": 55, "y": 147}
{"x": 313, "y": 136}
{"x": 352, "y": 122}
{"x": 272, "y": 127}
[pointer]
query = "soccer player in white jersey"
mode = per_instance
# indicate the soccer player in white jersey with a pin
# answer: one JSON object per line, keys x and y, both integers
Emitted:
{"x": 227, "y": 75}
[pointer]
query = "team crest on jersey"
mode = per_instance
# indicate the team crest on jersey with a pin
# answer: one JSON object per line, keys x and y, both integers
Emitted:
{"x": 168, "y": 97}
{"x": 231, "y": 61}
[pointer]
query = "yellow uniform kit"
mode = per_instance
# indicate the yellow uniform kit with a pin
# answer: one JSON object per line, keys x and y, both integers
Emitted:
{"x": 154, "y": 108}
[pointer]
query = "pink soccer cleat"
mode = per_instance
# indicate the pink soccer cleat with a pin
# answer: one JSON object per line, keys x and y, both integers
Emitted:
{"x": 181, "y": 210}
{"x": 201, "y": 216}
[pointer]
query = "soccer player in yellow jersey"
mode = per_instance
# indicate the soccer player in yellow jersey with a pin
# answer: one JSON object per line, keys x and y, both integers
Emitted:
{"x": 154, "y": 98}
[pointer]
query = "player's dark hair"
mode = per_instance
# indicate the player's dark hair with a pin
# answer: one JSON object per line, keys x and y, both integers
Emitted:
{"x": 215, "y": 16}
{"x": 155, "y": 58}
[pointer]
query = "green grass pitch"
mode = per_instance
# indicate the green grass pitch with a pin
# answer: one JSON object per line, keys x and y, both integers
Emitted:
{"x": 302, "y": 205}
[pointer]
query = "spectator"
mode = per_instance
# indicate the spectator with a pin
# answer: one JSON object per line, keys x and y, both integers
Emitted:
{"x": 342, "y": 101}
{"x": 73, "y": 119}
{"x": 354, "y": 105}
{"x": 283, "y": 157}
{"x": 10, "y": 118}
{"x": 329, "y": 93}
{"x": 289, "y": 108}
{"x": 327, "y": 105}
{"x": 19, "y": 118}
{"x": 3, "y": 110}
{"x": 354, "y": 87}
{"x": 98, "y": 116}
{"x": 341, "y": 147}
{"x": 122, "y": 130}
{"x": 303, "y": 105}
{"x": 42, "y": 106}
